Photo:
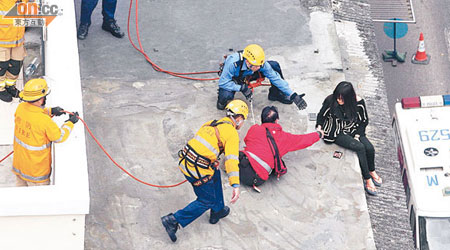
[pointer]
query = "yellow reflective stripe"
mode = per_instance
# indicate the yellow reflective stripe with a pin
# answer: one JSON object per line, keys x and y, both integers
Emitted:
{"x": 234, "y": 173}
{"x": 12, "y": 42}
{"x": 261, "y": 162}
{"x": 38, "y": 178}
{"x": 10, "y": 82}
{"x": 32, "y": 148}
{"x": 231, "y": 157}
{"x": 67, "y": 127}
{"x": 63, "y": 132}
{"x": 2, "y": 84}
{"x": 206, "y": 144}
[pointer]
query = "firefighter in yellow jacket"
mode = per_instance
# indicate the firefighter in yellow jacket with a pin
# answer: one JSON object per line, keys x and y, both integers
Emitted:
{"x": 34, "y": 133}
{"x": 199, "y": 163}
{"x": 12, "y": 52}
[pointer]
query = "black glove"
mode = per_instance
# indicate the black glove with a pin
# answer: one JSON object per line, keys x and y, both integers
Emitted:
{"x": 73, "y": 118}
{"x": 246, "y": 91}
{"x": 57, "y": 111}
{"x": 298, "y": 100}
{"x": 238, "y": 80}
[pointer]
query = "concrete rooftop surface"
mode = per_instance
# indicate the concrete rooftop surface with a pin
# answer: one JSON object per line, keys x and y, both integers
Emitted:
{"x": 144, "y": 117}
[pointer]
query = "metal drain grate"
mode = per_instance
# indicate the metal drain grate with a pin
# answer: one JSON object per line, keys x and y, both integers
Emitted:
{"x": 386, "y": 10}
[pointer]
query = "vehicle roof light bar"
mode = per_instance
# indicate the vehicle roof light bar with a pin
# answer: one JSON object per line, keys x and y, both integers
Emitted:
{"x": 426, "y": 101}
{"x": 446, "y": 100}
{"x": 431, "y": 101}
{"x": 410, "y": 102}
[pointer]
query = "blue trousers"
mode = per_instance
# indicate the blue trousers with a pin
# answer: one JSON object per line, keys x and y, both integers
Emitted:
{"x": 209, "y": 196}
{"x": 225, "y": 96}
{"x": 88, "y": 6}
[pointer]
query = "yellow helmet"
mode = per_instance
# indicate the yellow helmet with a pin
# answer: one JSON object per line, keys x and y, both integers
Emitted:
{"x": 254, "y": 54}
{"x": 237, "y": 107}
{"x": 34, "y": 90}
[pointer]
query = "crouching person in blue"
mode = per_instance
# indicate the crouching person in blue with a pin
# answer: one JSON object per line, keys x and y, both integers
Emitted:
{"x": 251, "y": 63}
{"x": 198, "y": 162}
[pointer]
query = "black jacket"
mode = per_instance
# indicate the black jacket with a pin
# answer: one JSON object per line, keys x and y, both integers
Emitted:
{"x": 333, "y": 122}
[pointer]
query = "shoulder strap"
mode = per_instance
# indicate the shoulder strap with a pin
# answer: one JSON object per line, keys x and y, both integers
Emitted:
{"x": 237, "y": 64}
{"x": 214, "y": 124}
{"x": 240, "y": 63}
{"x": 276, "y": 155}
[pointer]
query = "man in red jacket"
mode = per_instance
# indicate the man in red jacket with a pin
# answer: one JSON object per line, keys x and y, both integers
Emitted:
{"x": 266, "y": 144}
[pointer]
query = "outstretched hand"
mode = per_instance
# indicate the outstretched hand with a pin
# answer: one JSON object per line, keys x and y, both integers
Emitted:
{"x": 299, "y": 101}
{"x": 320, "y": 130}
{"x": 235, "y": 195}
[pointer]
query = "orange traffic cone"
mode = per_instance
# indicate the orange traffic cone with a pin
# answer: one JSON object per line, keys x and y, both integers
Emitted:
{"x": 421, "y": 57}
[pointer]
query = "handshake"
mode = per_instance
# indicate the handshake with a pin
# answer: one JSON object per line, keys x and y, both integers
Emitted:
{"x": 60, "y": 111}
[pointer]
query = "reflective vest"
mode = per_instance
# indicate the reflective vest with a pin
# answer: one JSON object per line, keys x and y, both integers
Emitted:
{"x": 10, "y": 35}
{"x": 33, "y": 134}
{"x": 205, "y": 143}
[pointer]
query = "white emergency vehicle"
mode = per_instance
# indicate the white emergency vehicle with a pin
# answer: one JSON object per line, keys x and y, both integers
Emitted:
{"x": 422, "y": 135}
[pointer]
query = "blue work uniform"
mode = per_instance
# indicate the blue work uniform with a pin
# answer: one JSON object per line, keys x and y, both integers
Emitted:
{"x": 88, "y": 6}
{"x": 209, "y": 196}
{"x": 234, "y": 64}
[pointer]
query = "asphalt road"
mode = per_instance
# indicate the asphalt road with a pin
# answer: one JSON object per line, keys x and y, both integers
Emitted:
{"x": 407, "y": 79}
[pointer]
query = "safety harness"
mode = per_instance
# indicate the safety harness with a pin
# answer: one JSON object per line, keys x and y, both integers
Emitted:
{"x": 236, "y": 64}
{"x": 257, "y": 77}
{"x": 188, "y": 154}
{"x": 280, "y": 168}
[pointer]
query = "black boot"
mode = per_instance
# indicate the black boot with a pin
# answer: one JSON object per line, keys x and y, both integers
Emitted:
{"x": 221, "y": 106}
{"x": 276, "y": 95}
{"x": 5, "y": 96}
{"x": 83, "y": 31}
{"x": 13, "y": 91}
{"x": 215, "y": 217}
{"x": 111, "y": 26}
{"x": 171, "y": 225}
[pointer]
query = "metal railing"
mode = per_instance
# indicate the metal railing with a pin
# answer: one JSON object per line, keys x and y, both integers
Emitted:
{"x": 387, "y": 10}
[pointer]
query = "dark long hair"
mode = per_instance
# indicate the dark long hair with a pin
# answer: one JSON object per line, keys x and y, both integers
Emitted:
{"x": 345, "y": 91}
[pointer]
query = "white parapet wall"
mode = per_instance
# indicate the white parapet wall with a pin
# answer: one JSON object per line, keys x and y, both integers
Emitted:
{"x": 53, "y": 217}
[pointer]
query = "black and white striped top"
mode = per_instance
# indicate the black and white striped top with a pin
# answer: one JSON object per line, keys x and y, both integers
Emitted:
{"x": 332, "y": 125}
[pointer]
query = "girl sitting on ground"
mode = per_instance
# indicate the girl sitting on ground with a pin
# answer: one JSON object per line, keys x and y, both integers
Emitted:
{"x": 343, "y": 119}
